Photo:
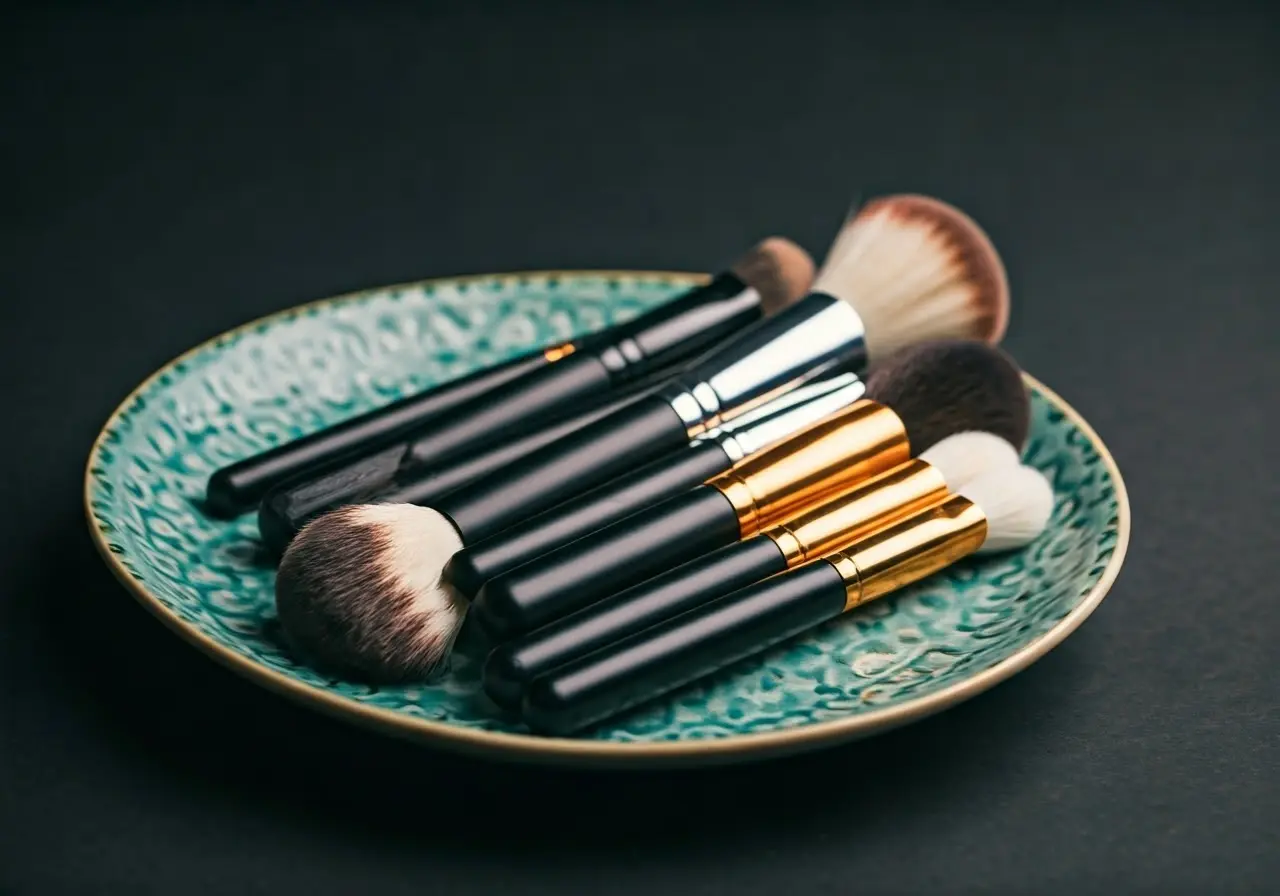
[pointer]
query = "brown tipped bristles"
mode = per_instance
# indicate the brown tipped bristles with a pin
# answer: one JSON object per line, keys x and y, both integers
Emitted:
{"x": 779, "y": 270}
{"x": 915, "y": 269}
{"x": 358, "y": 593}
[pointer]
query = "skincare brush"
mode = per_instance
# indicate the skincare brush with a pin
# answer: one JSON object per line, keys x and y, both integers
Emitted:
{"x": 914, "y": 400}
{"x": 903, "y": 270}
{"x": 999, "y": 510}
{"x": 469, "y": 410}
{"x": 833, "y": 524}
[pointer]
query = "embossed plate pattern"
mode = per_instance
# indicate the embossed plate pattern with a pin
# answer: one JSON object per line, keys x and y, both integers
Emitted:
{"x": 898, "y": 659}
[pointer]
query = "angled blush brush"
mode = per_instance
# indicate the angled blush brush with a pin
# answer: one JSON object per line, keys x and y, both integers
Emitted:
{"x": 919, "y": 397}
{"x": 449, "y": 418}
{"x": 830, "y": 526}
{"x": 1000, "y": 510}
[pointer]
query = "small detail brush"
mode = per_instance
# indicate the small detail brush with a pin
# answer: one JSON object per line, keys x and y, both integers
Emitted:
{"x": 936, "y": 389}
{"x": 999, "y": 510}
{"x": 469, "y": 410}
{"x": 834, "y": 524}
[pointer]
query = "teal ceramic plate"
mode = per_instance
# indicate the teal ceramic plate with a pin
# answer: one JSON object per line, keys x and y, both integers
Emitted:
{"x": 920, "y": 651}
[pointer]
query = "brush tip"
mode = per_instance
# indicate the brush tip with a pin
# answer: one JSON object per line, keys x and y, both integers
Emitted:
{"x": 1018, "y": 503}
{"x": 779, "y": 270}
{"x": 973, "y": 248}
{"x": 358, "y": 592}
{"x": 916, "y": 268}
{"x": 948, "y": 386}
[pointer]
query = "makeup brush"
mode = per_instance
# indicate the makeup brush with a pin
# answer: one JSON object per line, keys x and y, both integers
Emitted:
{"x": 395, "y": 476}
{"x": 895, "y": 240}
{"x": 999, "y": 510}
{"x": 705, "y": 457}
{"x": 469, "y": 410}
{"x": 334, "y": 614}
{"x": 937, "y": 389}
{"x": 830, "y": 526}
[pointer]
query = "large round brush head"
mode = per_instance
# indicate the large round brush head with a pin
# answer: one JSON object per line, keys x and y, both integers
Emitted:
{"x": 947, "y": 386}
{"x": 359, "y": 594}
{"x": 778, "y": 269}
{"x": 916, "y": 269}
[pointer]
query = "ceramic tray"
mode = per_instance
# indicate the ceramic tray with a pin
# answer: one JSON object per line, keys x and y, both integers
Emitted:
{"x": 896, "y": 660}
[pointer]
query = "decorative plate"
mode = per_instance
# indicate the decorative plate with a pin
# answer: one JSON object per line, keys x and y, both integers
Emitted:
{"x": 896, "y": 660}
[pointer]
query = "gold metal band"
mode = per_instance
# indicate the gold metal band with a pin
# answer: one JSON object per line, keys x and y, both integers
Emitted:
{"x": 909, "y": 550}
{"x": 846, "y": 448}
{"x": 556, "y": 352}
{"x": 859, "y": 510}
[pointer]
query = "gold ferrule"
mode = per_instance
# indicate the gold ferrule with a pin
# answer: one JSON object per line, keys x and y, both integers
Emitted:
{"x": 556, "y": 352}
{"x": 909, "y": 550}
{"x": 847, "y": 447}
{"x": 858, "y": 511}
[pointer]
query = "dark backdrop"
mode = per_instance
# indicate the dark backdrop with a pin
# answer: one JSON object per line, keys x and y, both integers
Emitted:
{"x": 172, "y": 172}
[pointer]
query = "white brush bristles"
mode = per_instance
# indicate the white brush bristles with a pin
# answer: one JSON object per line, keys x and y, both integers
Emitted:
{"x": 963, "y": 457}
{"x": 418, "y": 543}
{"x": 359, "y": 591}
{"x": 1017, "y": 502}
{"x": 915, "y": 270}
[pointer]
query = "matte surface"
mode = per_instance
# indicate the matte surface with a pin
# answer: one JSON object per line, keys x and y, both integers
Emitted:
{"x": 173, "y": 174}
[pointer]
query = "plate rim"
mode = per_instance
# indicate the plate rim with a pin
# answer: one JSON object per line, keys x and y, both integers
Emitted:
{"x": 531, "y": 748}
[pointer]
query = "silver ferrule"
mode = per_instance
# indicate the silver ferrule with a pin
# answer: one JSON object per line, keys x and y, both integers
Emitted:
{"x": 786, "y": 415}
{"x": 809, "y": 340}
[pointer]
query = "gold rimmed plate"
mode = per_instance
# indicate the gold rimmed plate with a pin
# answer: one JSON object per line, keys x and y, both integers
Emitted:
{"x": 899, "y": 659}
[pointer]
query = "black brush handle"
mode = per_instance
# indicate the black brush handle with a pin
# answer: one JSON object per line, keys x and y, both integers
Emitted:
{"x": 239, "y": 487}
{"x": 672, "y": 474}
{"x": 509, "y": 394}
{"x": 681, "y": 650}
{"x": 605, "y": 562}
{"x": 641, "y": 432}
{"x": 511, "y": 666}
{"x": 384, "y": 478}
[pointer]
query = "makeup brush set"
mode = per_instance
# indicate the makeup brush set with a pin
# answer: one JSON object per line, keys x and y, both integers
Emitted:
{"x": 618, "y": 516}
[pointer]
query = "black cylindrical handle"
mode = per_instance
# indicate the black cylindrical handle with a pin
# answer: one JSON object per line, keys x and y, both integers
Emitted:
{"x": 511, "y": 666}
{"x": 680, "y": 329}
{"x": 385, "y": 478}
{"x": 519, "y": 406}
{"x": 684, "y": 649}
{"x": 516, "y": 391}
{"x": 669, "y": 475}
{"x": 605, "y": 562}
{"x": 644, "y": 430}
{"x": 239, "y": 487}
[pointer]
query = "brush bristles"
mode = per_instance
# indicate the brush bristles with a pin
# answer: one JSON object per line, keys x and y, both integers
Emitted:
{"x": 779, "y": 270}
{"x": 917, "y": 269}
{"x": 950, "y": 386}
{"x": 359, "y": 594}
{"x": 1017, "y": 502}
{"x": 965, "y": 456}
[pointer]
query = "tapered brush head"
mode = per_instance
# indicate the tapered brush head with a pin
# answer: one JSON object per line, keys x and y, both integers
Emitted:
{"x": 358, "y": 592}
{"x": 1017, "y": 502}
{"x": 778, "y": 269}
{"x": 963, "y": 457}
{"x": 949, "y": 386}
{"x": 916, "y": 269}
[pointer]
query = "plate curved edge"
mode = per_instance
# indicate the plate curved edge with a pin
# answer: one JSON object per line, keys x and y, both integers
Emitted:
{"x": 534, "y": 749}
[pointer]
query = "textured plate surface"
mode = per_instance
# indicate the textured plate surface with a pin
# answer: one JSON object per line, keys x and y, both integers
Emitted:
{"x": 895, "y": 660}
